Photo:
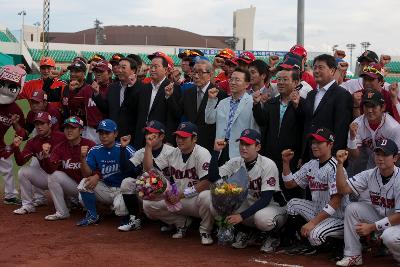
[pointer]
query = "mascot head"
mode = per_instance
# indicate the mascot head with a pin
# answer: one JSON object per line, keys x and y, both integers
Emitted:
{"x": 12, "y": 79}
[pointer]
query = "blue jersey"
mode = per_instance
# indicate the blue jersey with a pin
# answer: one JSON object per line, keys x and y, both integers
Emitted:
{"x": 107, "y": 162}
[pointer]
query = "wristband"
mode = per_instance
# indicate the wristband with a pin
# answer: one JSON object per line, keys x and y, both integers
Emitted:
{"x": 352, "y": 144}
{"x": 329, "y": 209}
{"x": 287, "y": 178}
{"x": 383, "y": 224}
{"x": 190, "y": 192}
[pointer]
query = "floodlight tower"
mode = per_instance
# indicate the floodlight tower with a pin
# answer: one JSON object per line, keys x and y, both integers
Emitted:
{"x": 46, "y": 27}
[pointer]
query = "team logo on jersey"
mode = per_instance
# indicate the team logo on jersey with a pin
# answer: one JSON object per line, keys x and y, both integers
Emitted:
{"x": 271, "y": 181}
{"x": 379, "y": 200}
{"x": 67, "y": 164}
{"x": 65, "y": 101}
{"x": 91, "y": 103}
{"x": 370, "y": 95}
{"x": 206, "y": 166}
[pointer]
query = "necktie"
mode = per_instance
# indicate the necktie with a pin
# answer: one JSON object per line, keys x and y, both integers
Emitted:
{"x": 121, "y": 95}
{"x": 199, "y": 97}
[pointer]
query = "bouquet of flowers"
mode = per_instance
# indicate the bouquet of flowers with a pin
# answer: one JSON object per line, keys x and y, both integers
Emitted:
{"x": 151, "y": 185}
{"x": 227, "y": 197}
{"x": 172, "y": 194}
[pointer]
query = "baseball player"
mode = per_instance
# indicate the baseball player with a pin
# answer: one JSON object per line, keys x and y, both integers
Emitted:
{"x": 34, "y": 175}
{"x": 382, "y": 213}
{"x": 371, "y": 127}
{"x": 64, "y": 167}
{"x": 259, "y": 210}
{"x": 188, "y": 164}
{"x": 157, "y": 129}
{"x": 324, "y": 213}
{"x": 102, "y": 168}
{"x": 11, "y": 80}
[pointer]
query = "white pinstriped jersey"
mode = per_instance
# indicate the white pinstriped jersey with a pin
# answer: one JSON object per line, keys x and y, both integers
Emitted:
{"x": 366, "y": 138}
{"x": 385, "y": 198}
{"x": 137, "y": 158}
{"x": 322, "y": 183}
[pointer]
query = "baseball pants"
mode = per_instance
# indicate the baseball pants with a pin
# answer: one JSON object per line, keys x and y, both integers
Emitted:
{"x": 198, "y": 206}
{"x": 61, "y": 186}
{"x": 330, "y": 227}
{"x": 38, "y": 194}
{"x": 107, "y": 195}
{"x": 128, "y": 186}
{"x": 91, "y": 134}
{"x": 30, "y": 178}
{"x": 6, "y": 170}
{"x": 358, "y": 212}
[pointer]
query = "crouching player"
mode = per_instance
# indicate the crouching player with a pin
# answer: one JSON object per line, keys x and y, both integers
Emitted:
{"x": 324, "y": 213}
{"x": 259, "y": 209}
{"x": 382, "y": 215}
{"x": 188, "y": 164}
{"x": 102, "y": 169}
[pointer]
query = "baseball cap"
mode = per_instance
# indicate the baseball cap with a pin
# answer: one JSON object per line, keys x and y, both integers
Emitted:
{"x": 73, "y": 121}
{"x": 299, "y": 50}
{"x": 116, "y": 58}
{"x": 96, "y": 57}
{"x": 323, "y": 135}
{"x": 43, "y": 117}
{"x": 247, "y": 57}
{"x": 102, "y": 65}
{"x": 162, "y": 55}
{"x": 368, "y": 55}
{"x": 226, "y": 53}
{"x": 13, "y": 74}
{"x": 232, "y": 61}
{"x": 374, "y": 97}
{"x": 289, "y": 63}
{"x": 190, "y": 53}
{"x": 47, "y": 61}
{"x": 186, "y": 129}
{"x": 77, "y": 65}
{"x": 155, "y": 127}
{"x": 250, "y": 136}
{"x": 80, "y": 58}
{"x": 373, "y": 70}
{"x": 38, "y": 95}
{"x": 388, "y": 146}
{"x": 107, "y": 125}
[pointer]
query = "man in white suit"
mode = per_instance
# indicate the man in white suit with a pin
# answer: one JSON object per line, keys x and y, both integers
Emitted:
{"x": 232, "y": 115}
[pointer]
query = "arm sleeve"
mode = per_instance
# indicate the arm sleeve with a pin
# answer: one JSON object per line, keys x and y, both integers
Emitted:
{"x": 343, "y": 117}
{"x": 211, "y": 111}
{"x": 270, "y": 177}
{"x": 203, "y": 164}
{"x": 127, "y": 166}
{"x": 101, "y": 103}
{"x": 300, "y": 177}
{"x": 91, "y": 160}
{"x": 213, "y": 172}
{"x": 260, "y": 115}
{"x": 332, "y": 181}
{"x": 23, "y": 157}
{"x": 137, "y": 158}
{"x": 162, "y": 161}
{"x": 359, "y": 182}
{"x": 51, "y": 163}
{"x": 261, "y": 203}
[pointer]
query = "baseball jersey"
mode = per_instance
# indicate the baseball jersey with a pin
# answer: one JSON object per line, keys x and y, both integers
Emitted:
{"x": 107, "y": 161}
{"x": 385, "y": 198}
{"x": 189, "y": 173}
{"x": 6, "y": 112}
{"x": 67, "y": 158}
{"x": 322, "y": 183}
{"x": 137, "y": 158}
{"x": 54, "y": 91}
{"x": 264, "y": 176}
{"x": 55, "y": 119}
{"x": 33, "y": 147}
{"x": 366, "y": 138}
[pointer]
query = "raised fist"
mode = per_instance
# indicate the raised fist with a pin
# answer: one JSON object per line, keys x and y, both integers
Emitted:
{"x": 73, "y": 85}
{"x": 17, "y": 141}
{"x": 273, "y": 60}
{"x": 357, "y": 97}
{"x": 151, "y": 140}
{"x": 256, "y": 97}
{"x": 132, "y": 79}
{"x": 125, "y": 140}
{"x": 169, "y": 90}
{"x": 46, "y": 149}
{"x": 213, "y": 92}
{"x": 264, "y": 96}
{"x": 96, "y": 87}
{"x": 295, "y": 98}
{"x": 394, "y": 91}
{"x": 14, "y": 118}
{"x": 341, "y": 156}
{"x": 287, "y": 155}
{"x": 219, "y": 144}
{"x": 84, "y": 151}
{"x": 353, "y": 130}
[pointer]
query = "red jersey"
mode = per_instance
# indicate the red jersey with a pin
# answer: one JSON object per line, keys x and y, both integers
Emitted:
{"x": 33, "y": 147}
{"x": 6, "y": 111}
{"x": 67, "y": 158}
{"x": 221, "y": 77}
{"x": 307, "y": 77}
{"x": 224, "y": 86}
{"x": 56, "y": 120}
{"x": 53, "y": 88}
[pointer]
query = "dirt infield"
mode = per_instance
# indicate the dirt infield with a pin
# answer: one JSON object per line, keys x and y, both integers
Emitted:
{"x": 29, "y": 240}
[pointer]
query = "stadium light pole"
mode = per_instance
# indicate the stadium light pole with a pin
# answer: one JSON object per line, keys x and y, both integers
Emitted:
{"x": 300, "y": 22}
{"x": 22, "y": 13}
{"x": 365, "y": 45}
{"x": 351, "y": 48}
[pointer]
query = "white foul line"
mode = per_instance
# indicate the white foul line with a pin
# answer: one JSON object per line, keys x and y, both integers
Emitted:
{"x": 276, "y": 264}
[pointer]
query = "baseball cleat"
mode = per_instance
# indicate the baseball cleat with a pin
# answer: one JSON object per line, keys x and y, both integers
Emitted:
{"x": 270, "y": 244}
{"x": 55, "y": 217}
{"x": 88, "y": 220}
{"x": 167, "y": 228}
{"x": 243, "y": 239}
{"x": 350, "y": 261}
{"x": 12, "y": 201}
{"x": 132, "y": 224}
{"x": 24, "y": 210}
{"x": 39, "y": 202}
{"x": 181, "y": 231}
{"x": 206, "y": 239}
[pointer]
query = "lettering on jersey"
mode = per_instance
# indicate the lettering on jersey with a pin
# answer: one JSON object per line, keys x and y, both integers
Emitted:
{"x": 190, "y": 174}
{"x": 206, "y": 166}
{"x": 256, "y": 186}
{"x": 71, "y": 165}
{"x": 91, "y": 103}
{"x": 271, "y": 181}
{"x": 107, "y": 170}
{"x": 378, "y": 200}
{"x": 315, "y": 185}
{"x": 5, "y": 120}
{"x": 40, "y": 155}
{"x": 369, "y": 142}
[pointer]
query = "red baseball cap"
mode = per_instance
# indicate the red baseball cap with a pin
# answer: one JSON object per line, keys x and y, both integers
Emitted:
{"x": 47, "y": 61}
{"x": 232, "y": 61}
{"x": 43, "y": 117}
{"x": 226, "y": 53}
{"x": 38, "y": 95}
{"x": 162, "y": 55}
{"x": 323, "y": 135}
{"x": 299, "y": 50}
{"x": 102, "y": 65}
{"x": 247, "y": 57}
{"x": 155, "y": 127}
{"x": 186, "y": 129}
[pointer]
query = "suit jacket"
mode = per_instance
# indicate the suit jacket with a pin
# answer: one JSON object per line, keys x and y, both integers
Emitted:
{"x": 243, "y": 119}
{"x": 111, "y": 105}
{"x": 140, "y": 112}
{"x": 335, "y": 112}
{"x": 186, "y": 110}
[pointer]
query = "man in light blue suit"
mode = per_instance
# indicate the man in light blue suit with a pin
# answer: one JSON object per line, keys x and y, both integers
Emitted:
{"x": 232, "y": 115}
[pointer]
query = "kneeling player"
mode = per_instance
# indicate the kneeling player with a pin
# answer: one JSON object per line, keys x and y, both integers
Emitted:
{"x": 188, "y": 164}
{"x": 259, "y": 210}
{"x": 103, "y": 173}
{"x": 383, "y": 213}
{"x": 324, "y": 212}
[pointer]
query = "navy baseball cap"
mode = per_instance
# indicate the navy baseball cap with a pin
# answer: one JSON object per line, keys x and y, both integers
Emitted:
{"x": 323, "y": 135}
{"x": 373, "y": 97}
{"x": 289, "y": 63}
{"x": 186, "y": 129}
{"x": 74, "y": 121}
{"x": 250, "y": 136}
{"x": 77, "y": 65}
{"x": 369, "y": 56}
{"x": 388, "y": 147}
{"x": 107, "y": 125}
{"x": 155, "y": 127}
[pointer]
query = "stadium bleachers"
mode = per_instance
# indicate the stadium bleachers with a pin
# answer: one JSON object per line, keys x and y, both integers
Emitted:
{"x": 4, "y": 37}
{"x": 57, "y": 55}
{"x": 394, "y": 66}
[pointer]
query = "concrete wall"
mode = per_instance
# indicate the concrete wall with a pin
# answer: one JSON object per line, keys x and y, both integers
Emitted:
{"x": 243, "y": 27}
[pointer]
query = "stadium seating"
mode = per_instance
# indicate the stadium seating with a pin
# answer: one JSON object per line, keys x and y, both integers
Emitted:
{"x": 57, "y": 55}
{"x": 392, "y": 79}
{"x": 4, "y": 37}
{"x": 394, "y": 66}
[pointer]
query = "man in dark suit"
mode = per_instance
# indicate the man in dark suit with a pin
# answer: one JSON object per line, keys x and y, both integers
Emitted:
{"x": 193, "y": 102}
{"x": 149, "y": 102}
{"x": 115, "y": 104}
{"x": 330, "y": 106}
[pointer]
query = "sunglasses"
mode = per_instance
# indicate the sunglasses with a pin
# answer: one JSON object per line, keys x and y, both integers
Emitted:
{"x": 73, "y": 120}
{"x": 370, "y": 69}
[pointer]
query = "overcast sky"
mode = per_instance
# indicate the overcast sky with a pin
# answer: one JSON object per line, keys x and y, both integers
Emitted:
{"x": 326, "y": 22}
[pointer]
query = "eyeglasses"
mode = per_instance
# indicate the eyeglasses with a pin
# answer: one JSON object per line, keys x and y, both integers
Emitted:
{"x": 200, "y": 72}
{"x": 371, "y": 69}
{"x": 235, "y": 80}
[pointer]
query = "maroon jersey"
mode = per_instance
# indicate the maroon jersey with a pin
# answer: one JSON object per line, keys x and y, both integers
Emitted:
{"x": 6, "y": 112}
{"x": 55, "y": 119}
{"x": 33, "y": 147}
{"x": 67, "y": 158}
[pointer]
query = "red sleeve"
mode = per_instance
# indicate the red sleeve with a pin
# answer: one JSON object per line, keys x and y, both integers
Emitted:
{"x": 51, "y": 163}
{"x": 23, "y": 157}
{"x": 22, "y": 132}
